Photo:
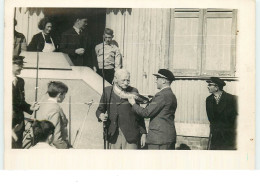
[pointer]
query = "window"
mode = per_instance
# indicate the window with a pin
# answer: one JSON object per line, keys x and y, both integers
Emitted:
{"x": 202, "y": 42}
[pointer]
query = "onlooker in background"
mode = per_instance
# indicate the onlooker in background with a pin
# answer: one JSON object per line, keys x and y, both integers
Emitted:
{"x": 222, "y": 114}
{"x": 112, "y": 56}
{"x": 19, "y": 103}
{"x": 77, "y": 43}
{"x": 43, "y": 134}
{"x": 161, "y": 111}
{"x": 52, "y": 112}
{"x": 44, "y": 41}
{"x": 19, "y": 42}
{"x": 126, "y": 129}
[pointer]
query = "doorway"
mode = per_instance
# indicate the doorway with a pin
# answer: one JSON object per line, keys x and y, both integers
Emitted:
{"x": 63, "y": 19}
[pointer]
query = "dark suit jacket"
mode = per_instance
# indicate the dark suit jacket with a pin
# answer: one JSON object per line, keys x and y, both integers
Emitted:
{"x": 225, "y": 116}
{"x": 121, "y": 115}
{"x": 38, "y": 42}
{"x": 161, "y": 112}
{"x": 19, "y": 103}
{"x": 222, "y": 118}
{"x": 70, "y": 41}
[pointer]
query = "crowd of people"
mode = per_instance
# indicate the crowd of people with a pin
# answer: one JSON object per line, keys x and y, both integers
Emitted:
{"x": 119, "y": 106}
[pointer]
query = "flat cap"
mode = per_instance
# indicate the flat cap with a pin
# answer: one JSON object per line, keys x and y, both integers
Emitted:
{"x": 217, "y": 81}
{"x": 165, "y": 73}
{"x": 18, "y": 60}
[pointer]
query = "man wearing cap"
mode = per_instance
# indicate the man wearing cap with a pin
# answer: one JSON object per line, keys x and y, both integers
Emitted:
{"x": 19, "y": 103}
{"x": 77, "y": 43}
{"x": 161, "y": 111}
{"x": 126, "y": 129}
{"x": 222, "y": 113}
{"x": 112, "y": 57}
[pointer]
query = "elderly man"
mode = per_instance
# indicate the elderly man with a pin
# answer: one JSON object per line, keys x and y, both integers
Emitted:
{"x": 19, "y": 103}
{"x": 222, "y": 113}
{"x": 112, "y": 57}
{"x": 125, "y": 128}
{"x": 161, "y": 111}
{"x": 77, "y": 44}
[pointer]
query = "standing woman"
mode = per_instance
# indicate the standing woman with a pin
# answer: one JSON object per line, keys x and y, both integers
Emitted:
{"x": 44, "y": 40}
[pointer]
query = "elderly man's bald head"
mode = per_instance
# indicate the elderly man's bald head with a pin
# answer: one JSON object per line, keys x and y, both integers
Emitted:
{"x": 122, "y": 78}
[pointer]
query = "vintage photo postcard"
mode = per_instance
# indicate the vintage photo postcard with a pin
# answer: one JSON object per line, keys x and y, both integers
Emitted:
{"x": 129, "y": 84}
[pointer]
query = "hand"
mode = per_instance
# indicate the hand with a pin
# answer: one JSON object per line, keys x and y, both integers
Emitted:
{"x": 103, "y": 117}
{"x": 80, "y": 51}
{"x": 131, "y": 100}
{"x": 35, "y": 106}
{"x": 143, "y": 140}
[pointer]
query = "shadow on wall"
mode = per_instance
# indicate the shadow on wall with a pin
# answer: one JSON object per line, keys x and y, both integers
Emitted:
{"x": 183, "y": 147}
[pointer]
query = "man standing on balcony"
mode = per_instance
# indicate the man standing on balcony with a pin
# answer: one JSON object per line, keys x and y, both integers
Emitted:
{"x": 161, "y": 111}
{"x": 112, "y": 57}
{"x": 77, "y": 43}
{"x": 222, "y": 114}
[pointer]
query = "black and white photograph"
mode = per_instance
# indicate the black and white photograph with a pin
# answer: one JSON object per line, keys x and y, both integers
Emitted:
{"x": 170, "y": 81}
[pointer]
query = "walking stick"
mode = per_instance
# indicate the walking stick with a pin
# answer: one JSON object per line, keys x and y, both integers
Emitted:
{"x": 36, "y": 89}
{"x": 103, "y": 82}
{"x": 81, "y": 126}
{"x": 29, "y": 132}
{"x": 70, "y": 120}
{"x": 36, "y": 85}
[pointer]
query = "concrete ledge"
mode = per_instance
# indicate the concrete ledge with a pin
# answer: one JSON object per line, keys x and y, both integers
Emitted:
{"x": 192, "y": 129}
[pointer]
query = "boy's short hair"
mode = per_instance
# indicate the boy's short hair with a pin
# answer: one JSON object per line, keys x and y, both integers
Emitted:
{"x": 56, "y": 87}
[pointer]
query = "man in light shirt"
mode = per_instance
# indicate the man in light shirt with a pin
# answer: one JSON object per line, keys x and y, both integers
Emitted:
{"x": 112, "y": 57}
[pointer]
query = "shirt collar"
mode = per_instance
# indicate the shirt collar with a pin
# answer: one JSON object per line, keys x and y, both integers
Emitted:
{"x": 76, "y": 29}
{"x": 52, "y": 99}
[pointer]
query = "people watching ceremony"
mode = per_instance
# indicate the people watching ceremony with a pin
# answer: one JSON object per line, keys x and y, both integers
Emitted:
{"x": 112, "y": 57}
{"x": 222, "y": 114}
{"x": 19, "y": 104}
{"x": 161, "y": 111}
{"x": 52, "y": 112}
{"x": 44, "y": 41}
{"x": 43, "y": 134}
{"x": 126, "y": 129}
{"x": 77, "y": 43}
{"x": 121, "y": 108}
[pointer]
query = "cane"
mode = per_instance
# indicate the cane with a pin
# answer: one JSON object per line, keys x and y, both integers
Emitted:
{"x": 81, "y": 126}
{"x": 70, "y": 120}
{"x": 103, "y": 76}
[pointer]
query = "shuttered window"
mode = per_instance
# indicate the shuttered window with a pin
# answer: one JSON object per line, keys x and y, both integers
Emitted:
{"x": 202, "y": 42}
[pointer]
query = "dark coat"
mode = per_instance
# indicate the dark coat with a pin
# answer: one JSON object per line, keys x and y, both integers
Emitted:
{"x": 222, "y": 118}
{"x": 39, "y": 42}
{"x": 71, "y": 40}
{"x": 121, "y": 115}
{"x": 161, "y": 112}
{"x": 19, "y": 106}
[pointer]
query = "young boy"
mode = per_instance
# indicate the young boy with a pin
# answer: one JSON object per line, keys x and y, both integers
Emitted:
{"x": 52, "y": 112}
